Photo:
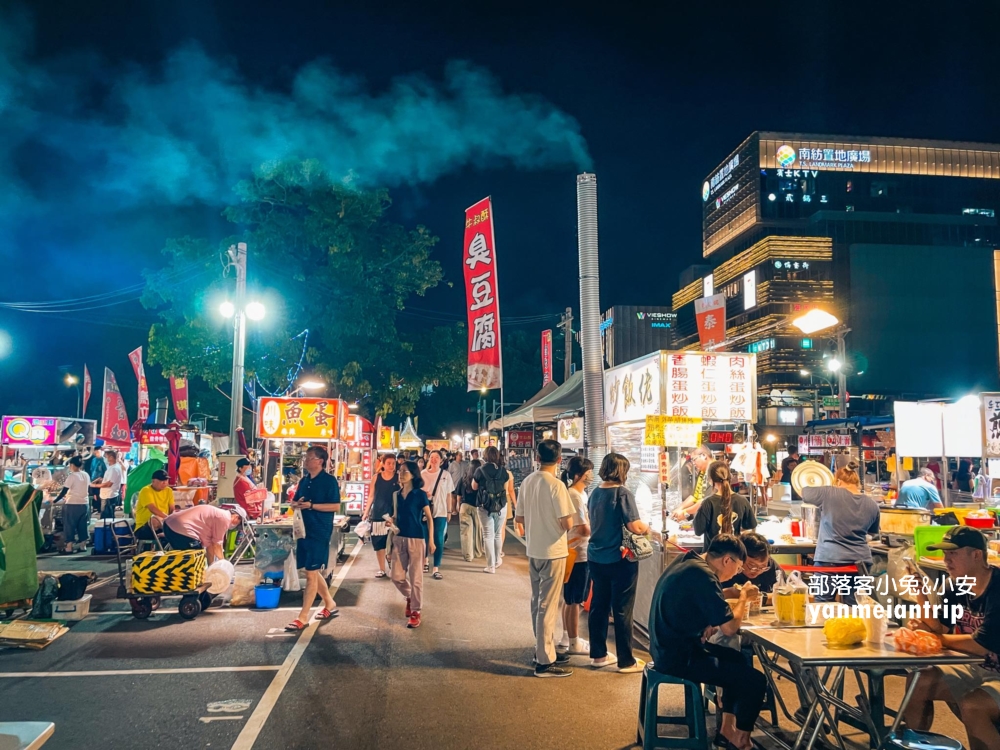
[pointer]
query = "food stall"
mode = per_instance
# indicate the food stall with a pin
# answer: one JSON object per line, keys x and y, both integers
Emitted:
{"x": 520, "y": 458}
{"x": 289, "y": 426}
{"x": 655, "y": 409}
{"x": 360, "y": 465}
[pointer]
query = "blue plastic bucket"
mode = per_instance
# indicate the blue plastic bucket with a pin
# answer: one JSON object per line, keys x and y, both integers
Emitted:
{"x": 266, "y": 596}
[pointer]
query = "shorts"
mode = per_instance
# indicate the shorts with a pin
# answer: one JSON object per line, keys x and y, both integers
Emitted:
{"x": 179, "y": 541}
{"x": 962, "y": 679}
{"x": 312, "y": 554}
{"x": 575, "y": 589}
{"x": 378, "y": 542}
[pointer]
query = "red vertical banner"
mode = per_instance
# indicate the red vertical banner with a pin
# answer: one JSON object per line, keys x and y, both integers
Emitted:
{"x": 87, "y": 387}
{"x": 546, "y": 357}
{"x": 482, "y": 300}
{"x": 135, "y": 357}
{"x": 114, "y": 419}
{"x": 179, "y": 394}
{"x": 710, "y": 313}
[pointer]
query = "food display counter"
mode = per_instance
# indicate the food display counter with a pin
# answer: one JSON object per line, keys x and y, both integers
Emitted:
{"x": 275, "y": 547}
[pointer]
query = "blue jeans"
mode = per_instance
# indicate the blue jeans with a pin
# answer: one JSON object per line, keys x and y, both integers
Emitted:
{"x": 440, "y": 526}
{"x": 492, "y": 539}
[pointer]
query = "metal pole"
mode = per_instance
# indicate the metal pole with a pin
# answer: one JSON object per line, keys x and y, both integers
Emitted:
{"x": 596, "y": 441}
{"x": 79, "y": 402}
{"x": 567, "y": 326}
{"x": 842, "y": 373}
{"x": 238, "y": 257}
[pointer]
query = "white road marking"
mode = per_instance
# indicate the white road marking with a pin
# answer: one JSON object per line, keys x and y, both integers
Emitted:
{"x": 251, "y": 730}
{"x": 119, "y": 672}
{"x": 209, "y": 613}
{"x": 230, "y": 706}
{"x": 207, "y": 719}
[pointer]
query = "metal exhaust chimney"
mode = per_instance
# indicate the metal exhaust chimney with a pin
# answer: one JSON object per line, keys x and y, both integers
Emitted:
{"x": 590, "y": 319}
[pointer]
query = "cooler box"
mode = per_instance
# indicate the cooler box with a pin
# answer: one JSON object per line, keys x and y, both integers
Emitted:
{"x": 174, "y": 572}
{"x": 74, "y": 609}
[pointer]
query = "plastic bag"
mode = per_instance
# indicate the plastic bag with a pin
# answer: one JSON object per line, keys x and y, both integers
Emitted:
{"x": 917, "y": 642}
{"x": 875, "y": 628}
{"x": 842, "y": 632}
{"x": 298, "y": 525}
{"x": 243, "y": 586}
{"x": 363, "y": 529}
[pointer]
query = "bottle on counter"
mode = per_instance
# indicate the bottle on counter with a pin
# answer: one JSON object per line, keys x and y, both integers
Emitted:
{"x": 800, "y": 597}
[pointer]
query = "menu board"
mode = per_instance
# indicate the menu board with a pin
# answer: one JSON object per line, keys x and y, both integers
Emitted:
{"x": 673, "y": 432}
{"x": 716, "y": 387}
{"x": 991, "y": 425}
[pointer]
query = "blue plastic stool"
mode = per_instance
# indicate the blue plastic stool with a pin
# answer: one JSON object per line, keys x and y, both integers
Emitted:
{"x": 911, "y": 739}
{"x": 649, "y": 718}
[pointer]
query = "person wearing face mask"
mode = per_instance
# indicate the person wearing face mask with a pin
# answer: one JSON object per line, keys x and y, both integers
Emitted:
{"x": 697, "y": 487}
{"x": 678, "y": 635}
{"x": 243, "y": 485}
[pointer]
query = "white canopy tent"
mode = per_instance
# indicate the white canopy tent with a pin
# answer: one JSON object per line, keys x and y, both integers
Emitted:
{"x": 546, "y": 406}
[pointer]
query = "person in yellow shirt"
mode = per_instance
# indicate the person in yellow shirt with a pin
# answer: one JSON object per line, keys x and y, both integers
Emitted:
{"x": 155, "y": 500}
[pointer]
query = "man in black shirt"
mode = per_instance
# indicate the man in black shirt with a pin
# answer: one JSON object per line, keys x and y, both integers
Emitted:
{"x": 318, "y": 498}
{"x": 974, "y": 688}
{"x": 788, "y": 465}
{"x": 760, "y": 569}
{"x": 687, "y": 609}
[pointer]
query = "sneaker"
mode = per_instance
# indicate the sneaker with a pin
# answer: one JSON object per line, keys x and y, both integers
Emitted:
{"x": 563, "y": 645}
{"x": 408, "y": 610}
{"x": 551, "y": 670}
{"x": 637, "y": 667}
{"x": 500, "y": 561}
{"x": 414, "y": 620}
{"x": 608, "y": 661}
{"x": 560, "y": 659}
{"x": 579, "y": 647}
{"x": 489, "y": 570}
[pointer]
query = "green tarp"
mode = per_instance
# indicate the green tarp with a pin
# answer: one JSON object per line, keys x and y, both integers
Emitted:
{"x": 20, "y": 539}
{"x": 142, "y": 476}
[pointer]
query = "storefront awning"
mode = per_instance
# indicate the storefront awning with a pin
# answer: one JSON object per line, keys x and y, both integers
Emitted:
{"x": 546, "y": 407}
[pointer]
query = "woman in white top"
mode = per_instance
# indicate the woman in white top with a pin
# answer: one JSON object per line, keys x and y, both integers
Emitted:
{"x": 76, "y": 507}
{"x": 439, "y": 487}
{"x": 578, "y": 475}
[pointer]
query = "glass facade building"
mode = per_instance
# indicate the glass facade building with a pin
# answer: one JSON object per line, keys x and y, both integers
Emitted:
{"x": 898, "y": 237}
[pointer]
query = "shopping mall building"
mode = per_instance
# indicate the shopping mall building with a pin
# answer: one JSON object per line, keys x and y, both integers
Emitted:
{"x": 897, "y": 237}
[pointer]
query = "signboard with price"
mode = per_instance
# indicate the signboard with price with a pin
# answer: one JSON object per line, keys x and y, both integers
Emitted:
{"x": 673, "y": 432}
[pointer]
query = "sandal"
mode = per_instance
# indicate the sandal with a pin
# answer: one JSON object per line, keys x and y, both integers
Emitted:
{"x": 295, "y": 626}
{"x": 427, "y": 568}
{"x": 380, "y": 574}
{"x": 437, "y": 576}
{"x": 327, "y": 614}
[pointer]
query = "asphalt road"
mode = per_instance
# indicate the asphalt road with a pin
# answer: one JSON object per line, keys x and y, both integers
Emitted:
{"x": 462, "y": 680}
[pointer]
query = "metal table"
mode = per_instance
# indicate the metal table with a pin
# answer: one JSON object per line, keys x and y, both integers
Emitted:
{"x": 282, "y": 528}
{"x": 29, "y": 735}
{"x": 819, "y": 671}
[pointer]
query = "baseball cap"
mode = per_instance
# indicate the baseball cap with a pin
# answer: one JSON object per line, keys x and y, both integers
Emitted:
{"x": 958, "y": 537}
{"x": 242, "y": 462}
{"x": 160, "y": 475}
{"x": 238, "y": 510}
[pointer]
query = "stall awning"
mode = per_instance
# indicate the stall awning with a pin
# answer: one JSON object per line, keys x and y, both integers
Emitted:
{"x": 546, "y": 407}
{"x": 408, "y": 438}
{"x": 857, "y": 423}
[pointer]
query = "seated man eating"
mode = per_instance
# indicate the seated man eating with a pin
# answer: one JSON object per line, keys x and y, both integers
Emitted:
{"x": 688, "y": 608}
{"x": 971, "y": 690}
{"x": 760, "y": 569}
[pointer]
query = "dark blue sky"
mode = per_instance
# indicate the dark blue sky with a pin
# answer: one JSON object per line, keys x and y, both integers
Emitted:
{"x": 656, "y": 94}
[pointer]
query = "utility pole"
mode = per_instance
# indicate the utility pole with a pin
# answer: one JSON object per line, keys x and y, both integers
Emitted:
{"x": 238, "y": 258}
{"x": 842, "y": 372}
{"x": 566, "y": 323}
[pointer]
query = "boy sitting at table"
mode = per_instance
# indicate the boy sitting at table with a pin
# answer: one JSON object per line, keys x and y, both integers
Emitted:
{"x": 972, "y": 691}
{"x": 760, "y": 569}
{"x": 688, "y": 608}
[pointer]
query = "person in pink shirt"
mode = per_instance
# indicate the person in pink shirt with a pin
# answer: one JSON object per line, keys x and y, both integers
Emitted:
{"x": 202, "y": 527}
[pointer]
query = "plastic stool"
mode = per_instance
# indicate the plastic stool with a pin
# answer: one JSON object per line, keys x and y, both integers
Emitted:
{"x": 911, "y": 739}
{"x": 649, "y": 718}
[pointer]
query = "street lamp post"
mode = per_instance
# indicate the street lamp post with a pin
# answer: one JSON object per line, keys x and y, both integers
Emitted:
{"x": 73, "y": 380}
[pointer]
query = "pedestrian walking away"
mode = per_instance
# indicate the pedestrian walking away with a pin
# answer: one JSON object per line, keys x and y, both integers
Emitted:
{"x": 411, "y": 506}
{"x": 491, "y": 482}
{"x": 544, "y": 515}
{"x": 578, "y": 476}
{"x": 441, "y": 490}
{"x": 383, "y": 487}
{"x": 614, "y": 578}
{"x": 110, "y": 486}
{"x": 76, "y": 507}
{"x": 468, "y": 515}
{"x": 318, "y": 499}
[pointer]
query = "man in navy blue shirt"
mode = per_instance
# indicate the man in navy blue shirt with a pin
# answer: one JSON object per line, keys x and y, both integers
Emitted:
{"x": 317, "y": 498}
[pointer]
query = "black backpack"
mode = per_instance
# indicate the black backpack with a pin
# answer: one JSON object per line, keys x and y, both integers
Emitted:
{"x": 493, "y": 492}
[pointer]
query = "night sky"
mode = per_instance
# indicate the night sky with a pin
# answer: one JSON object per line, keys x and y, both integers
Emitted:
{"x": 648, "y": 96}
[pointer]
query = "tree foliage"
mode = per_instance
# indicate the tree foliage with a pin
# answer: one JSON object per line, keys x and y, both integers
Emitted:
{"x": 324, "y": 257}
